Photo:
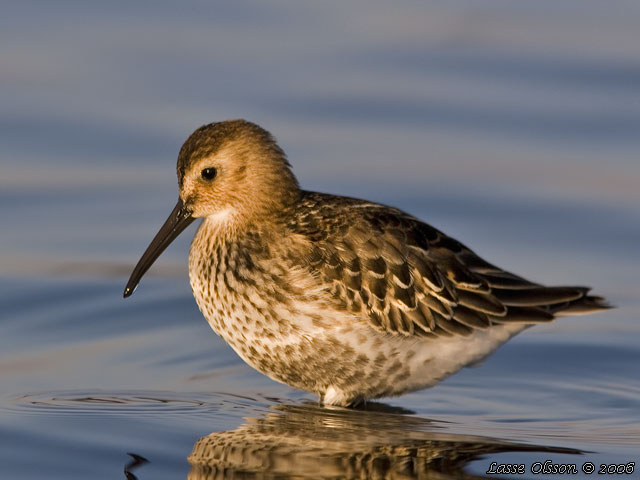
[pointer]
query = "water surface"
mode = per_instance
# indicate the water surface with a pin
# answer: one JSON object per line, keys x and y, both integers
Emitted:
{"x": 511, "y": 126}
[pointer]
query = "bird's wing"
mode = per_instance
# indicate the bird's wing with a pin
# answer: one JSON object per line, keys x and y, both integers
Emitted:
{"x": 408, "y": 278}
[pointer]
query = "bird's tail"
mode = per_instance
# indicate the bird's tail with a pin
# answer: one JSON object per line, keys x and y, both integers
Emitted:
{"x": 529, "y": 302}
{"x": 538, "y": 304}
{"x": 585, "y": 304}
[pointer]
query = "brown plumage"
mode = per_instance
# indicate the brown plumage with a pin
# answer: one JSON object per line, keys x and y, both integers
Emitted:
{"x": 411, "y": 279}
{"x": 342, "y": 297}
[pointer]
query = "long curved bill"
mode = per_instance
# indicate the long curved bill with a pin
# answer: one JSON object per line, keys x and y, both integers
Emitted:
{"x": 179, "y": 219}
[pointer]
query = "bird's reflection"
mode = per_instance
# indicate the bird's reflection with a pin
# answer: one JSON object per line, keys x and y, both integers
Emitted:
{"x": 136, "y": 462}
{"x": 306, "y": 441}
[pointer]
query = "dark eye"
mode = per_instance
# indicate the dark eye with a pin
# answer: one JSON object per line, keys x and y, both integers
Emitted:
{"x": 209, "y": 174}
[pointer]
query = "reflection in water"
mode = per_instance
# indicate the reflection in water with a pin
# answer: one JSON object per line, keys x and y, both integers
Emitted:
{"x": 136, "y": 462}
{"x": 313, "y": 442}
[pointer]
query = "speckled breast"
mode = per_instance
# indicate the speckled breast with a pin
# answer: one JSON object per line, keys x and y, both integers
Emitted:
{"x": 253, "y": 304}
{"x": 277, "y": 320}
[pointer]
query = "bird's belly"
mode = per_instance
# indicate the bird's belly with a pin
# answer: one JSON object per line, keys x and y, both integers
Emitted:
{"x": 298, "y": 345}
{"x": 336, "y": 355}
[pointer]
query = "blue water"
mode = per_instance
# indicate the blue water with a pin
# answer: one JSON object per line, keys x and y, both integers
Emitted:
{"x": 514, "y": 127}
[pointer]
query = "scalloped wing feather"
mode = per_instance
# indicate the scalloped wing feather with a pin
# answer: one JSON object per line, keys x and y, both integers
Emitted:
{"x": 408, "y": 278}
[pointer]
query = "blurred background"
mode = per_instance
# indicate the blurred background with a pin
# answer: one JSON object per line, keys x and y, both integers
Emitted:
{"x": 533, "y": 101}
{"x": 512, "y": 125}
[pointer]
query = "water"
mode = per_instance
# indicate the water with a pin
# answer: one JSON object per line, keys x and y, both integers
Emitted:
{"x": 512, "y": 126}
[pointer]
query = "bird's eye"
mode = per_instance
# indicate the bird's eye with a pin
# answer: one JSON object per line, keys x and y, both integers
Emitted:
{"x": 208, "y": 174}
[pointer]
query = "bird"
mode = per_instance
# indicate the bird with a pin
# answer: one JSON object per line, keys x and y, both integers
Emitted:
{"x": 345, "y": 298}
{"x": 307, "y": 442}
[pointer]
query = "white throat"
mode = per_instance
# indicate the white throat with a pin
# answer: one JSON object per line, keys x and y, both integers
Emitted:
{"x": 222, "y": 217}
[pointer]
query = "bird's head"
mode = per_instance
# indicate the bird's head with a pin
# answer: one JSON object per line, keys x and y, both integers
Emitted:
{"x": 231, "y": 172}
{"x": 234, "y": 168}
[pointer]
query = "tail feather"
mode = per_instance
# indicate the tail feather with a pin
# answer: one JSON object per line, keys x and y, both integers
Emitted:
{"x": 525, "y": 301}
{"x": 539, "y": 296}
{"x": 541, "y": 304}
{"x": 586, "y": 304}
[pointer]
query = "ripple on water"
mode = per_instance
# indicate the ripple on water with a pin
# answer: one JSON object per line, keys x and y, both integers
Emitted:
{"x": 138, "y": 403}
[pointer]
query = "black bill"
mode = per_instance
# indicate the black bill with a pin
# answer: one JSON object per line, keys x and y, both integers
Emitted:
{"x": 179, "y": 219}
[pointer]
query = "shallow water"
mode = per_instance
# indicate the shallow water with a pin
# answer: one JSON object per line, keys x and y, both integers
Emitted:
{"x": 511, "y": 126}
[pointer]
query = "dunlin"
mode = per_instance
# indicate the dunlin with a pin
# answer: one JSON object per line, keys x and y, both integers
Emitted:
{"x": 345, "y": 298}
